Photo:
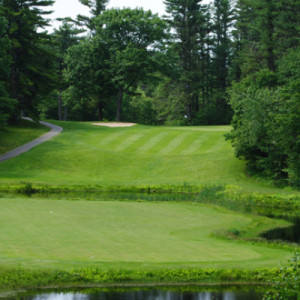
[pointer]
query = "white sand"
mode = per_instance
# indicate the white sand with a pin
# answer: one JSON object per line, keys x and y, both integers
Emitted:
{"x": 114, "y": 124}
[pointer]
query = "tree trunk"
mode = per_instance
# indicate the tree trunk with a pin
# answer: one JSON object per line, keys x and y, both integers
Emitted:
{"x": 65, "y": 113}
{"x": 60, "y": 117}
{"x": 119, "y": 105}
{"x": 14, "y": 84}
{"x": 100, "y": 110}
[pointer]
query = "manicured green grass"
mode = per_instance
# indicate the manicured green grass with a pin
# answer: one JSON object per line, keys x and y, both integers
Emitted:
{"x": 14, "y": 136}
{"x": 141, "y": 155}
{"x": 131, "y": 236}
{"x": 62, "y": 234}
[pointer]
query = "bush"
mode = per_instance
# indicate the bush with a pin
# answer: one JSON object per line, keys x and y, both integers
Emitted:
{"x": 286, "y": 285}
{"x": 266, "y": 121}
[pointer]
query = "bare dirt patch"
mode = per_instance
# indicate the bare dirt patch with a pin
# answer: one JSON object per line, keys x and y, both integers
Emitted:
{"x": 114, "y": 124}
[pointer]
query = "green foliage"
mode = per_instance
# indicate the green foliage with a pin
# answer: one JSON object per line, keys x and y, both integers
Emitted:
{"x": 88, "y": 77}
{"x": 131, "y": 38}
{"x": 96, "y": 8}
{"x": 221, "y": 60}
{"x": 21, "y": 278}
{"x": 266, "y": 120}
{"x": 169, "y": 102}
{"x": 289, "y": 114}
{"x": 188, "y": 19}
{"x": 120, "y": 54}
{"x": 143, "y": 109}
{"x": 287, "y": 282}
{"x": 32, "y": 75}
{"x": 7, "y": 105}
{"x": 253, "y": 135}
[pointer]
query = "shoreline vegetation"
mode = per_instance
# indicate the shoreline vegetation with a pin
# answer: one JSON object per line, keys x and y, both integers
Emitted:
{"x": 21, "y": 279}
{"x": 284, "y": 204}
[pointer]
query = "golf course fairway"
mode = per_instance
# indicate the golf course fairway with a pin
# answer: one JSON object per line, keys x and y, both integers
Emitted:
{"x": 85, "y": 154}
{"x": 65, "y": 234}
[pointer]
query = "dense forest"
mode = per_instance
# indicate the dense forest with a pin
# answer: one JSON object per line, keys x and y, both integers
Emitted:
{"x": 227, "y": 62}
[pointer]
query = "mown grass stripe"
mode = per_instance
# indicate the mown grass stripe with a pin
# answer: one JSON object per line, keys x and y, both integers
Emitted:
{"x": 163, "y": 142}
{"x": 107, "y": 139}
{"x": 131, "y": 139}
{"x": 184, "y": 144}
{"x": 174, "y": 144}
{"x": 152, "y": 142}
{"x": 196, "y": 144}
{"x": 215, "y": 145}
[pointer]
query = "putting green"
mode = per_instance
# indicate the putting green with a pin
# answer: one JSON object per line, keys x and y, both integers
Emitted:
{"x": 45, "y": 233}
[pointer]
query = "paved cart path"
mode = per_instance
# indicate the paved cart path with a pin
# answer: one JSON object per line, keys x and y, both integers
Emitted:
{"x": 55, "y": 130}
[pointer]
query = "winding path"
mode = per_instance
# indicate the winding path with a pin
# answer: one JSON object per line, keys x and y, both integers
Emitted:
{"x": 55, "y": 130}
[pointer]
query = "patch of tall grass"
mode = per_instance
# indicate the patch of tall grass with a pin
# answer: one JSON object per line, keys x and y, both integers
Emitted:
{"x": 228, "y": 196}
{"x": 21, "y": 278}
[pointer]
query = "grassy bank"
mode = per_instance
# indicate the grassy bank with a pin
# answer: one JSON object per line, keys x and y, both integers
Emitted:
{"x": 84, "y": 154}
{"x": 18, "y": 134}
{"x": 16, "y": 279}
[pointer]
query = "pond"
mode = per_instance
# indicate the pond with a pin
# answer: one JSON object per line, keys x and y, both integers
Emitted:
{"x": 289, "y": 234}
{"x": 186, "y": 293}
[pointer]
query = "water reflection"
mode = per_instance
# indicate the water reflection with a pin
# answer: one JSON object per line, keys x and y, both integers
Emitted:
{"x": 290, "y": 234}
{"x": 150, "y": 295}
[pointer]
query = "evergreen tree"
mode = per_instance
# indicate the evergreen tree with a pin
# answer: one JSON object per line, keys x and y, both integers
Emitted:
{"x": 186, "y": 18}
{"x": 96, "y": 8}
{"x": 7, "y": 105}
{"x": 32, "y": 75}
{"x": 223, "y": 21}
{"x": 266, "y": 100}
{"x": 65, "y": 37}
{"x": 265, "y": 30}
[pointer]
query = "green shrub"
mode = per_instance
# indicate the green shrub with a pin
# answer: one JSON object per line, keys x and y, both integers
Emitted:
{"x": 286, "y": 284}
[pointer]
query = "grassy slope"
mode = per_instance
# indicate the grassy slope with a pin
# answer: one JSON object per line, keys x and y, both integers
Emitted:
{"x": 87, "y": 154}
{"x": 14, "y": 136}
{"x": 133, "y": 235}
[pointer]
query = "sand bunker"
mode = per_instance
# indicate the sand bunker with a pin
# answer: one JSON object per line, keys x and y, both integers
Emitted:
{"x": 115, "y": 124}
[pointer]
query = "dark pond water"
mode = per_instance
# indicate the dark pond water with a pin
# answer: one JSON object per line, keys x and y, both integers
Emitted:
{"x": 152, "y": 294}
{"x": 290, "y": 234}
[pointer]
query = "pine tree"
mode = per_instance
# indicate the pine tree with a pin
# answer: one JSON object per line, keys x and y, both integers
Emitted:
{"x": 65, "y": 37}
{"x": 186, "y": 18}
{"x": 265, "y": 30}
{"x": 223, "y": 21}
{"x": 96, "y": 8}
{"x": 31, "y": 74}
{"x": 7, "y": 105}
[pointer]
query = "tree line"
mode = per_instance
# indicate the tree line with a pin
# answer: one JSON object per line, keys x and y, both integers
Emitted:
{"x": 127, "y": 64}
{"x": 199, "y": 64}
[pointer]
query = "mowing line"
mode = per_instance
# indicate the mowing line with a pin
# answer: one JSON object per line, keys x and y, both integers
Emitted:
{"x": 152, "y": 142}
{"x": 175, "y": 143}
{"x": 110, "y": 138}
{"x": 128, "y": 142}
{"x": 196, "y": 145}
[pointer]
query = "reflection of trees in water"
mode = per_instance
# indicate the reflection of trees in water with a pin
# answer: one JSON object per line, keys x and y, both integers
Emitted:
{"x": 152, "y": 295}
{"x": 290, "y": 234}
